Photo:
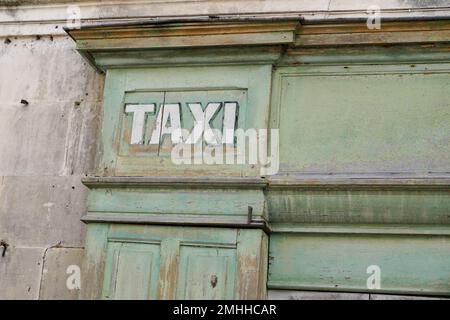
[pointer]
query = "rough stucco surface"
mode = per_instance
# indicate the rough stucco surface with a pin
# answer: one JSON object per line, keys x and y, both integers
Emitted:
{"x": 45, "y": 149}
{"x": 48, "y": 143}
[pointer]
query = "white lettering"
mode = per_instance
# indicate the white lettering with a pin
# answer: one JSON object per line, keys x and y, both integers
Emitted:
{"x": 169, "y": 112}
{"x": 139, "y": 112}
{"x": 202, "y": 122}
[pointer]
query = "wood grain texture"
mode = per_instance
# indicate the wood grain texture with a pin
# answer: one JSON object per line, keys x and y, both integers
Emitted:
{"x": 157, "y": 262}
{"x": 390, "y": 32}
{"x": 261, "y": 42}
{"x": 197, "y": 83}
{"x": 94, "y": 261}
{"x": 408, "y": 264}
{"x": 355, "y": 108}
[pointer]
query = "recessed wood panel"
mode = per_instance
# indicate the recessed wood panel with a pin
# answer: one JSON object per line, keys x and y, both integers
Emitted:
{"x": 418, "y": 264}
{"x": 246, "y": 87}
{"x": 364, "y": 119}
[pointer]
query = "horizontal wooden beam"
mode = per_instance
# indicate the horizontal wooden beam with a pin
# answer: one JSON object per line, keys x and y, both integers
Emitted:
{"x": 404, "y": 32}
{"x": 173, "y": 182}
{"x": 361, "y": 183}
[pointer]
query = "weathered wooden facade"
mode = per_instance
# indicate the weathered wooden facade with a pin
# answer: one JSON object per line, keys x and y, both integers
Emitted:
{"x": 364, "y": 159}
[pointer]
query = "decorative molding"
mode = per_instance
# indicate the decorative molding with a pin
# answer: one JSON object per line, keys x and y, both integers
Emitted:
{"x": 36, "y": 17}
{"x": 431, "y": 183}
{"x": 291, "y": 285}
{"x": 256, "y": 40}
{"x": 430, "y": 53}
{"x": 175, "y": 182}
{"x": 114, "y": 10}
{"x": 362, "y": 229}
{"x": 275, "y": 183}
{"x": 351, "y": 43}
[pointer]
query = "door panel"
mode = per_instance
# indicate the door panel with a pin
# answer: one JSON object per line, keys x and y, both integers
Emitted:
{"x": 131, "y": 271}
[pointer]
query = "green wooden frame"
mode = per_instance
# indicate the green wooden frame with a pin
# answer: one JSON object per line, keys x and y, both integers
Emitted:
{"x": 323, "y": 227}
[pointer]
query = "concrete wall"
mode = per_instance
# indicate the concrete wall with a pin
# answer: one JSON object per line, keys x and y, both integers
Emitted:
{"x": 46, "y": 144}
{"x": 50, "y": 108}
{"x": 316, "y": 295}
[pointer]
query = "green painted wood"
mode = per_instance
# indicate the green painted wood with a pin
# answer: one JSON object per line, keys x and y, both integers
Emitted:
{"x": 131, "y": 271}
{"x": 252, "y": 264}
{"x": 167, "y": 262}
{"x": 206, "y": 273}
{"x": 186, "y": 201}
{"x": 110, "y": 132}
{"x": 139, "y": 233}
{"x": 352, "y": 55}
{"x": 212, "y": 182}
{"x": 181, "y": 202}
{"x": 359, "y": 206}
{"x": 339, "y": 118}
{"x": 170, "y": 252}
{"x": 94, "y": 261}
{"x": 409, "y": 264}
{"x": 182, "y": 96}
{"x": 363, "y": 119}
{"x": 187, "y": 43}
{"x": 188, "y": 57}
